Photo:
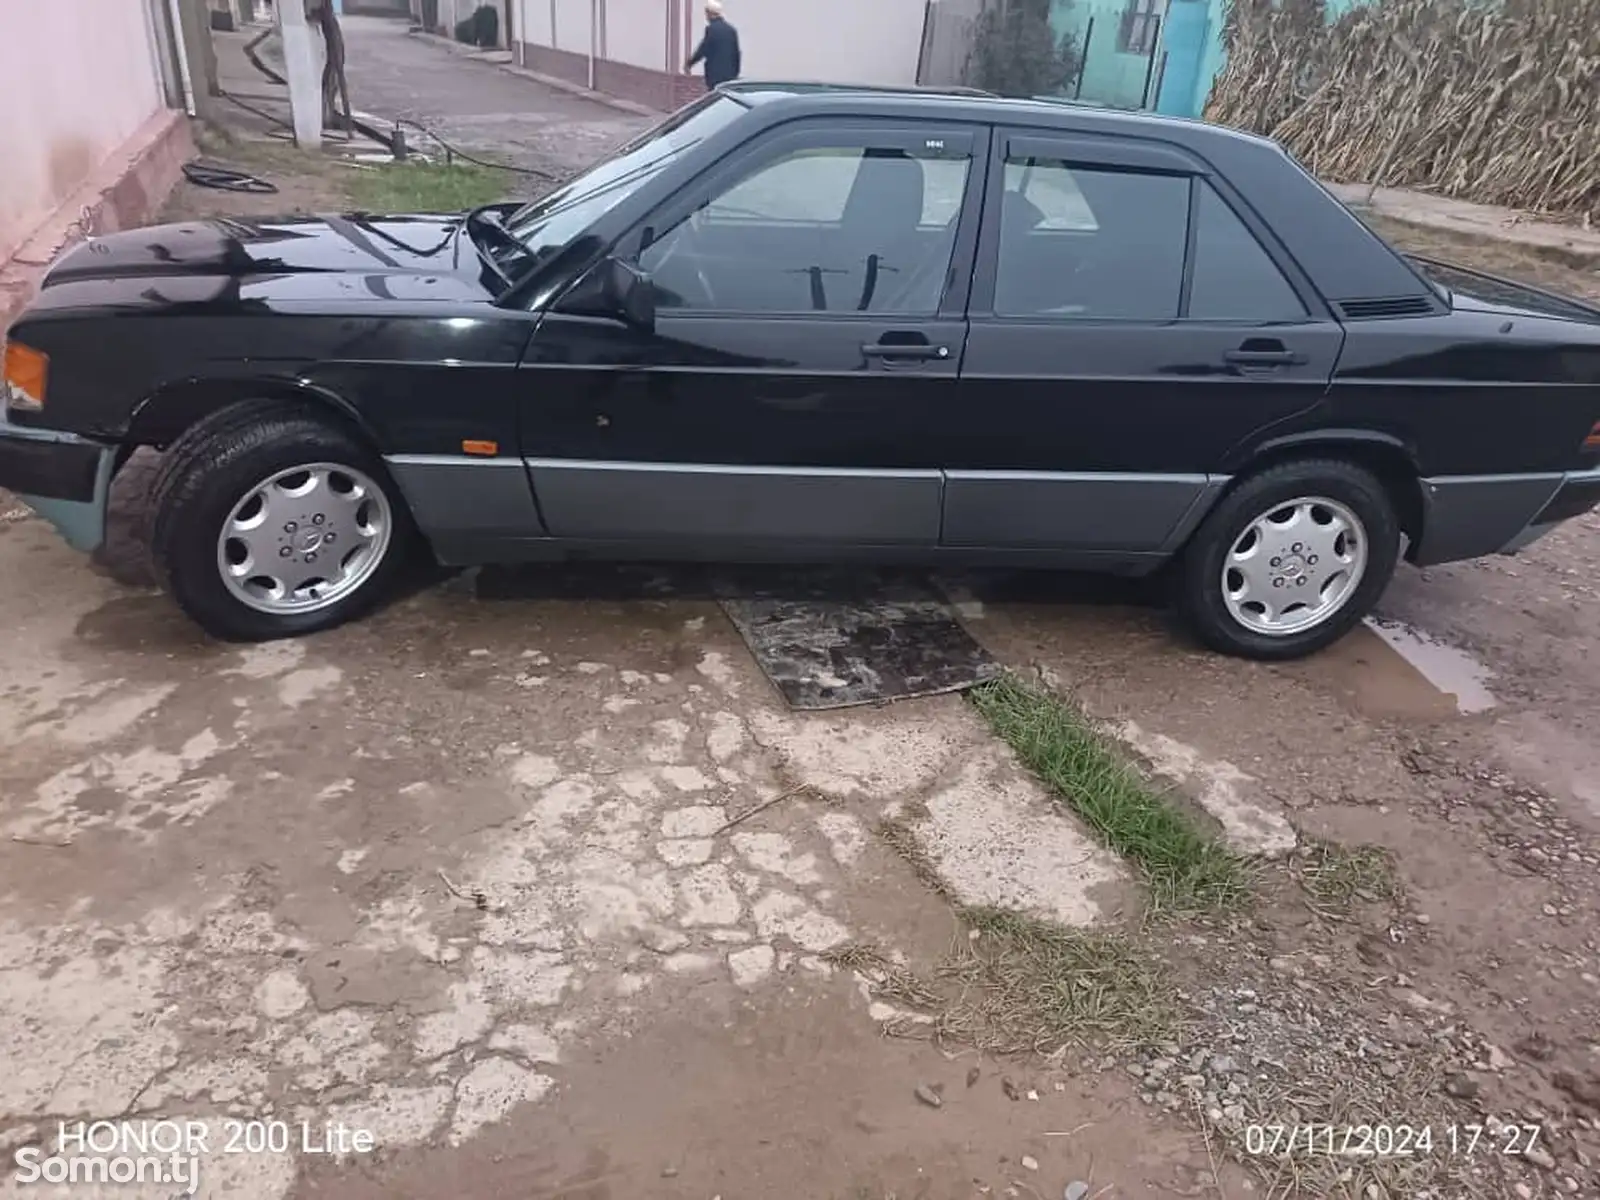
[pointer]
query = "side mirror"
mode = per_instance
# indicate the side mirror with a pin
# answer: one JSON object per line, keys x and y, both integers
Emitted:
{"x": 629, "y": 293}
{"x": 613, "y": 288}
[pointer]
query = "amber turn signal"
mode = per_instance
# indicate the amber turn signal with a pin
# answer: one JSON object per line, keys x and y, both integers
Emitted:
{"x": 484, "y": 449}
{"x": 26, "y": 370}
{"x": 1592, "y": 442}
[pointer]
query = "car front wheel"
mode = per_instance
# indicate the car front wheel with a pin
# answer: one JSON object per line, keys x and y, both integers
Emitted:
{"x": 1290, "y": 560}
{"x": 270, "y": 522}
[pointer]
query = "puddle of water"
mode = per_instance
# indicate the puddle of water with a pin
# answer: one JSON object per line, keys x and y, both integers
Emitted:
{"x": 1388, "y": 669}
{"x": 1453, "y": 671}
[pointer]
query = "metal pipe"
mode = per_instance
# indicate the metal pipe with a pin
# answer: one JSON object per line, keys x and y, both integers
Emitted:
{"x": 161, "y": 53}
{"x": 594, "y": 34}
{"x": 1083, "y": 58}
{"x": 175, "y": 14}
{"x": 1150, "y": 65}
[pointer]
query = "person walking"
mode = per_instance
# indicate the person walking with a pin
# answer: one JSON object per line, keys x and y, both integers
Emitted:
{"x": 718, "y": 48}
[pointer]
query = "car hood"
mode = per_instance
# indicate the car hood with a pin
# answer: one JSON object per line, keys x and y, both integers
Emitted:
{"x": 1479, "y": 291}
{"x": 263, "y": 249}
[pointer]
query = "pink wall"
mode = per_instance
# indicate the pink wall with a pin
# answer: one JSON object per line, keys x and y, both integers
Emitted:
{"x": 78, "y": 78}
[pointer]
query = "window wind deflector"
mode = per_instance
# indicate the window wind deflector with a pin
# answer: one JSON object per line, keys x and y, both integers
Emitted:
{"x": 532, "y": 213}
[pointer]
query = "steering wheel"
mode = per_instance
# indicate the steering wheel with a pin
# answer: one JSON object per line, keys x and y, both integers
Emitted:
{"x": 686, "y": 232}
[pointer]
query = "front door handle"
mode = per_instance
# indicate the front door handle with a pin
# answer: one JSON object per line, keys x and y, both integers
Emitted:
{"x": 905, "y": 351}
{"x": 1271, "y": 355}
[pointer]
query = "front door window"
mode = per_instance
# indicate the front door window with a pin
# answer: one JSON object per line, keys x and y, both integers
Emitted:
{"x": 843, "y": 227}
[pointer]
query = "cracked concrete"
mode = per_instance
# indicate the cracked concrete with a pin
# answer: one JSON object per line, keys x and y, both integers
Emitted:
{"x": 384, "y": 882}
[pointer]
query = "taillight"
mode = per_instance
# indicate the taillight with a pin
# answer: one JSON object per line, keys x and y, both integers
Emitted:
{"x": 26, "y": 371}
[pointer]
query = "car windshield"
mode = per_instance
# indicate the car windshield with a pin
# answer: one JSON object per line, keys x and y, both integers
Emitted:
{"x": 547, "y": 224}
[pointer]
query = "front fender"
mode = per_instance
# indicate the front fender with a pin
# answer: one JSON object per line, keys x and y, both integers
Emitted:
{"x": 163, "y": 415}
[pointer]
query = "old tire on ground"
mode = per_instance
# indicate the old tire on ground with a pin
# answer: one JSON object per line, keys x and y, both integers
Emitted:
{"x": 1290, "y": 560}
{"x": 269, "y": 521}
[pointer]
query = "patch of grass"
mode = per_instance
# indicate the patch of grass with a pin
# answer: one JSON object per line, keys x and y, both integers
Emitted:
{"x": 889, "y": 978}
{"x": 897, "y": 835}
{"x": 1013, "y": 983}
{"x": 1184, "y": 867}
{"x": 1335, "y": 878}
{"x": 1032, "y": 985}
{"x": 427, "y": 187}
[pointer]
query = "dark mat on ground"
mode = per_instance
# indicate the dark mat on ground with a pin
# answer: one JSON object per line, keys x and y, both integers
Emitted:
{"x": 825, "y": 638}
{"x": 837, "y": 641}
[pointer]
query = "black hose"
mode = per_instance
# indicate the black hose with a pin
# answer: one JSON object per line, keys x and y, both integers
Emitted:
{"x": 255, "y": 60}
{"x": 225, "y": 179}
{"x": 260, "y": 112}
{"x": 388, "y": 141}
{"x": 456, "y": 152}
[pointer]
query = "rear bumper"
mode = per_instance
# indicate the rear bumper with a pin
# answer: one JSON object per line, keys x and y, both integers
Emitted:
{"x": 1579, "y": 493}
{"x": 62, "y": 477}
{"x": 1472, "y": 516}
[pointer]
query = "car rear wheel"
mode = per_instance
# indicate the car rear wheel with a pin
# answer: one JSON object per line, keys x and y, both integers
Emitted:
{"x": 1290, "y": 560}
{"x": 271, "y": 522}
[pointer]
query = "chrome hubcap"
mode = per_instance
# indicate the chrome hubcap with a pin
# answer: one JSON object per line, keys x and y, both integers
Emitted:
{"x": 1294, "y": 567}
{"x": 304, "y": 538}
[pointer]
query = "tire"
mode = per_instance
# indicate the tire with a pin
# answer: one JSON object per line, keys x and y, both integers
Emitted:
{"x": 259, "y": 449}
{"x": 1215, "y": 591}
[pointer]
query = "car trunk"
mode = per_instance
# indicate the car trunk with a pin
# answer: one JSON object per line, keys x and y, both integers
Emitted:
{"x": 1480, "y": 290}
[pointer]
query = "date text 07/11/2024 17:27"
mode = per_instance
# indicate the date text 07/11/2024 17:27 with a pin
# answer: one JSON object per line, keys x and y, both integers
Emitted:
{"x": 1398, "y": 1140}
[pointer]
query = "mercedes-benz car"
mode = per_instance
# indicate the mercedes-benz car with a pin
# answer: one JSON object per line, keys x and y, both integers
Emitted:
{"x": 818, "y": 324}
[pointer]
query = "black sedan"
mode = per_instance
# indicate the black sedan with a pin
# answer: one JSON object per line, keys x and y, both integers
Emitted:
{"x": 799, "y": 323}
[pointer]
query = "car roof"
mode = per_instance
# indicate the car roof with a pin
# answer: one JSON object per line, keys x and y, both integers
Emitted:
{"x": 974, "y": 104}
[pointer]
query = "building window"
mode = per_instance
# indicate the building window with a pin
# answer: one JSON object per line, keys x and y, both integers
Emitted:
{"x": 1141, "y": 26}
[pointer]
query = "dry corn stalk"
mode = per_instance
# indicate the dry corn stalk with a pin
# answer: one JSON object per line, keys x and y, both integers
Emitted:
{"x": 1497, "y": 103}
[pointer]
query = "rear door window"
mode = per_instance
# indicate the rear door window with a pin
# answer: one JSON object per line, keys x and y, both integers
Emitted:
{"x": 1235, "y": 278}
{"x": 1133, "y": 236}
{"x": 1090, "y": 243}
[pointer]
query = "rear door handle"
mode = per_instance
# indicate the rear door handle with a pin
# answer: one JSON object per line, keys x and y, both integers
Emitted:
{"x": 1263, "y": 358}
{"x": 905, "y": 351}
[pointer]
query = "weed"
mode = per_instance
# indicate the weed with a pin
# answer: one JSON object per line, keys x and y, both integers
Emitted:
{"x": 1184, "y": 867}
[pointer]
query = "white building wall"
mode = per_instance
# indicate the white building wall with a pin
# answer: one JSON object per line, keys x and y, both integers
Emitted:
{"x": 77, "y": 79}
{"x": 830, "y": 41}
{"x": 573, "y": 25}
{"x": 636, "y": 33}
{"x": 534, "y": 22}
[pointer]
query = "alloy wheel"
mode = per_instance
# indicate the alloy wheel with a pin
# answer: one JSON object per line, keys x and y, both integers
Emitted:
{"x": 304, "y": 538}
{"x": 1294, "y": 566}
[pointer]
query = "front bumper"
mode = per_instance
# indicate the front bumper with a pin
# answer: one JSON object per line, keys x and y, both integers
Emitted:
{"x": 62, "y": 477}
{"x": 1472, "y": 516}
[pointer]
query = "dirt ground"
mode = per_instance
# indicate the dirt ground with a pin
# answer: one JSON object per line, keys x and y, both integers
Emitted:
{"x": 466, "y": 875}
